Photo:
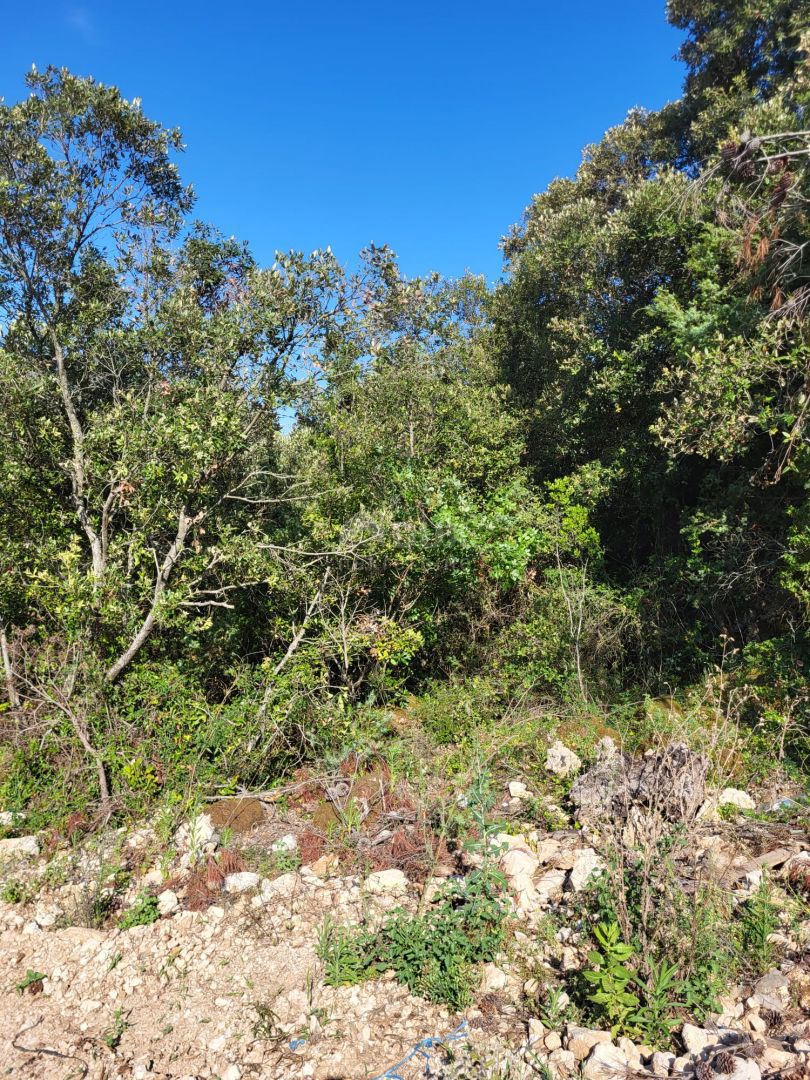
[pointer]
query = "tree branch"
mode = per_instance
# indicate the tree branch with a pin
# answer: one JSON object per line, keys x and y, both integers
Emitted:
{"x": 185, "y": 521}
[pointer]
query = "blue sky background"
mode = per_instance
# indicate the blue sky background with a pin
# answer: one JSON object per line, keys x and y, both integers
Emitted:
{"x": 426, "y": 125}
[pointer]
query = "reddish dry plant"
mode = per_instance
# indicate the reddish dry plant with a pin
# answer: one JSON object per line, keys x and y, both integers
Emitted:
{"x": 229, "y": 862}
{"x": 199, "y": 896}
{"x": 213, "y": 876}
{"x": 76, "y": 825}
{"x": 412, "y": 853}
{"x": 352, "y": 766}
{"x": 311, "y": 846}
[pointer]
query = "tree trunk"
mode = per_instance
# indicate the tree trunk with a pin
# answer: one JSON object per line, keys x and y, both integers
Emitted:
{"x": 8, "y": 670}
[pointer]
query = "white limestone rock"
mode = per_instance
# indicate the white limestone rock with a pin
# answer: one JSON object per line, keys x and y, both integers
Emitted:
{"x": 242, "y": 882}
{"x": 561, "y": 761}
{"x": 387, "y": 881}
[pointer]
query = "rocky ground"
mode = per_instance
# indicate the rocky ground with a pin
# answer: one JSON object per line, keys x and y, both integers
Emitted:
{"x": 204, "y": 967}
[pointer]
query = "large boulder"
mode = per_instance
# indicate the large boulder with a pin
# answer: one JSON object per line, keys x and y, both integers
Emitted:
{"x": 669, "y": 782}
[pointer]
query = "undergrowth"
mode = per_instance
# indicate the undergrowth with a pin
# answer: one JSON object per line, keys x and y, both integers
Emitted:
{"x": 434, "y": 954}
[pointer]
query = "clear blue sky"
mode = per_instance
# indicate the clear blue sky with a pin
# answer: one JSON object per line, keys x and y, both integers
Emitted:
{"x": 424, "y": 125}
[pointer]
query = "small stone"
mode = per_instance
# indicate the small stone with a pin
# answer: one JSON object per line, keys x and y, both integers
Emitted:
{"x": 326, "y": 865}
{"x": 547, "y": 850}
{"x": 232, "y": 1072}
{"x": 549, "y": 886}
{"x": 755, "y": 1022}
{"x": 167, "y": 902}
{"x": 605, "y": 1062}
{"x": 731, "y": 1007}
{"x": 241, "y": 882}
{"x": 772, "y": 991}
{"x": 580, "y": 1041}
{"x": 9, "y": 818}
{"x": 193, "y": 836}
{"x": 493, "y": 979}
{"x": 696, "y": 1039}
{"x": 745, "y": 1069}
{"x": 553, "y": 1041}
{"x": 562, "y": 1063}
{"x": 569, "y": 961}
{"x": 517, "y": 863}
{"x": 661, "y": 1063}
{"x": 285, "y": 843}
{"x": 46, "y": 918}
{"x": 734, "y": 797}
{"x": 537, "y": 1029}
{"x": 283, "y": 887}
{"x": 586, "y": 864}
{"x": 387, "y": 881}
{"x": 561, "y": 761}
{"x": 775, "y": 1060}
{"x": 518, "y": 790}
{"x": 630, "y": 1050}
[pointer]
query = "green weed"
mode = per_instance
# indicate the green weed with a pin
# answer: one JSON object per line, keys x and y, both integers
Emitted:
{"x": 433, "y": 954}
{"x": 143, "y": 912}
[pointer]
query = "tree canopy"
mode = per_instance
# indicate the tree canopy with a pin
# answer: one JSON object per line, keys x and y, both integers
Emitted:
{"x": 244, "y": 503}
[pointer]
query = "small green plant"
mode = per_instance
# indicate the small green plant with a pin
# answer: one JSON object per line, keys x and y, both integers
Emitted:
{"x": 345, "y": 954}
{"x": 267, "y": 1025}
{"x": 552, "y": 1012}
{"x": 112, "y": 1037}
{"x": 12, "y": 892}
{"x": 656, "y": 1018}
{"x": 758, "y": 919}
{"x": 143, "y": 912}
{"x": 31, "y": 979}
{"x": 611, "y": 977}
{"x": 284, "y": 861}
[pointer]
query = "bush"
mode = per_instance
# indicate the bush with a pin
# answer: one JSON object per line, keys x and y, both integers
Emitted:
{"x": 432, "y": 954}
{"x": 142, "y": 913}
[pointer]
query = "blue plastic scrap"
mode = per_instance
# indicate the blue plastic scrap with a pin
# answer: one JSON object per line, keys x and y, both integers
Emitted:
{"x": 421, "y": 1049}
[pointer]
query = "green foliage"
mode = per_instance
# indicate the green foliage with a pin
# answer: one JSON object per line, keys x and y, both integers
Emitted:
{"x": 757, "y": 920}
{"x": 31, "y": 979}
{"x": 432, "y": 954}
{"x": 657, "y": 1017}
{"x": 142, "y": 912}
{"x": 250, "y": 510}
{"x": 12, "y": 892}
{"x": 647, "y": 1008}
{"x": 344, "y": 953}
{"x": 115, "y": 1033}
{"x": 611, "y": 978}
